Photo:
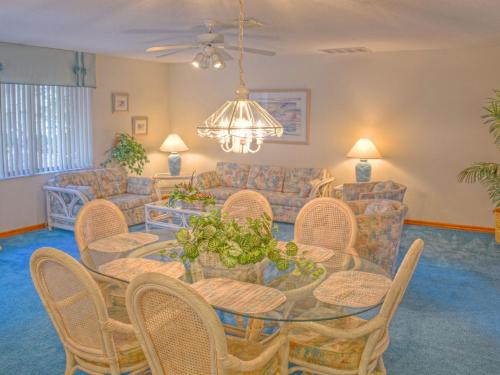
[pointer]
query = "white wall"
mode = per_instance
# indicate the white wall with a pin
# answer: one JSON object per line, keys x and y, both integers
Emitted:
{"x": 21, "y": 200}
{"x": 422, "y": 109}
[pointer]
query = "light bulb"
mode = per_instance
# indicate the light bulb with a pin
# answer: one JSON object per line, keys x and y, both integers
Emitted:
{"x": 197, "y": 60}
{"x": 217, "y": 62}
{"x": 205, "y": 62}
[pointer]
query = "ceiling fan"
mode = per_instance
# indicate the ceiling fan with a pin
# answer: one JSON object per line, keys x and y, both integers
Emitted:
{"x": 211, "y": 43}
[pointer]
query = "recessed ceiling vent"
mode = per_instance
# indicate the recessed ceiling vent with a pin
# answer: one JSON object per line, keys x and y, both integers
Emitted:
{"x": 346, "y": 50}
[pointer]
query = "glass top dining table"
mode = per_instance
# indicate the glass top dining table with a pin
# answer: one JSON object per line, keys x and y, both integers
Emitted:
{"x": 346, "y": 285}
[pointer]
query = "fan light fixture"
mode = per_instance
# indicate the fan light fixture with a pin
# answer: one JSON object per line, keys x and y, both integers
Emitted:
{"x": 240, "y": 125}
{"x": 197, "y": 60}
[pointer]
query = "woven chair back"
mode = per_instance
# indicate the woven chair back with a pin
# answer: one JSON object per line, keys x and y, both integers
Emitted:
{"x": 326, "y": 222}
{"x": 98, "y": 219}
{"x": 247, "y": 203}
{"x": 73, "y": 302}
{"x": 179, "y": 332}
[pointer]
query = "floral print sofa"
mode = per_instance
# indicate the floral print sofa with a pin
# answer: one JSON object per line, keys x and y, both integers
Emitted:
{"x": 287, "y": 189}
{"x": 67, "y": 192}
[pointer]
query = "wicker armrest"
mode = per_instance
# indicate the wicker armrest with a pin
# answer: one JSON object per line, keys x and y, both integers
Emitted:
{"x": 323, "y": 189}
{"x": 276, "y": 344}
{"x": 112, "y": 325}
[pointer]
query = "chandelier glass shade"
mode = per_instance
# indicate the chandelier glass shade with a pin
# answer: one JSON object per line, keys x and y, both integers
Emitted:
{"x": 241, "y": 125}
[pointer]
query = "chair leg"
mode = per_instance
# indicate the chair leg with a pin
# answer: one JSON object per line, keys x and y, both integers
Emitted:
{"x": 70, "y": 364}
{"x": 381, "y": 367}
{"x": 283, "y": 358}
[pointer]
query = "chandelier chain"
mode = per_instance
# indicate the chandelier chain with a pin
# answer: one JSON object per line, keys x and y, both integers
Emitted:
{"x": 240, "y": 35}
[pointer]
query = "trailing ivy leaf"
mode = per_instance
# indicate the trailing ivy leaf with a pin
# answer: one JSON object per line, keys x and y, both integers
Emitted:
{"x": 291, "y": 249}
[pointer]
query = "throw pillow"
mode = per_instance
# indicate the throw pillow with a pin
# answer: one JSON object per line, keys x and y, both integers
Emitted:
{"x": 306, "y": 189}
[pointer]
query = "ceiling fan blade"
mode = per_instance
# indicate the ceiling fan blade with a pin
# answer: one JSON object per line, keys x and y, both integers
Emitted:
{"x": 226, "y": 56}
{"x": 169, "y": 53}
{"x": 251, "y": 50}
{"x": 158, "y": 31}
{"x": 170, "y": 47}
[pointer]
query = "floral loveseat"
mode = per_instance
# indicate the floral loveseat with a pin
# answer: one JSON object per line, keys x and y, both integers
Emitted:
{"x": 67, "y": 192}
{"x": 287, "y": 189}
{"x": 372, "y": 190}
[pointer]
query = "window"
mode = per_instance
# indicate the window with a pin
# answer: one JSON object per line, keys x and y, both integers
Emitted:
{"x": 44, "y": 129}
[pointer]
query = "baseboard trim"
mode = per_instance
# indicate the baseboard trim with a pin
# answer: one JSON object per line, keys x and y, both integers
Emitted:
{"x": 436, "y": 224}
{"x": 17, "y": 231}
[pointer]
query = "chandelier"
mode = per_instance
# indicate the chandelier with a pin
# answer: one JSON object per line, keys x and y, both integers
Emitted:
{"x": 241, "y": 125}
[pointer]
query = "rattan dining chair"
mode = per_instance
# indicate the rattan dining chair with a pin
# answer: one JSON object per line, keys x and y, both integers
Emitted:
{"x": 98, "y": 219}
{"x": 181, "y": 334}
{"x": 247, "y": 203}
{"x": 352, "y": 346}
{"x": 93, "y": 342}
{"x": 330, "y": 223}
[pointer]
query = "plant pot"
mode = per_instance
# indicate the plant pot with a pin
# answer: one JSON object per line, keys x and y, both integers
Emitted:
{"x": 213, "y": 267}
{"x": 497, "y": 225}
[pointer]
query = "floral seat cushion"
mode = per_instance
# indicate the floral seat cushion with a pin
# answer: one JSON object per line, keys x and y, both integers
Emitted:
{"x": 284, "y": 199}
{"x": 129, "y": 201}
{"x": 314, "y": 348}
{"x": 296, "y": 178}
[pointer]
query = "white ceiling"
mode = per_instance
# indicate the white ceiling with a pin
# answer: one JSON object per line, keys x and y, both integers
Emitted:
{"x": 293, "y": 26}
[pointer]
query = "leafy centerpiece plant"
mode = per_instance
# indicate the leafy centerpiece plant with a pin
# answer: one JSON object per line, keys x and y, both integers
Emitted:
{"x": 235, "y": 244}
{"x": 128, "y": 153}
{"x": 188, "y": 193}
{"x": 487, "y": 173}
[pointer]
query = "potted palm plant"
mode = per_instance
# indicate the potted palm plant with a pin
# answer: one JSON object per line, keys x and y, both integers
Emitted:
{"x": 487, "y": 173}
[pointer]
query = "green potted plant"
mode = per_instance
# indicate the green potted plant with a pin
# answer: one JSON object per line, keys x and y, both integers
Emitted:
{"x": 487, "y": 173}
{"x": 128, "y": 153}
{"x": 226, "y": 248}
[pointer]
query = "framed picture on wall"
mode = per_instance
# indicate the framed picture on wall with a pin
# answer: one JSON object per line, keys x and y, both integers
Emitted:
{"x": 119, "y": 102}
{"x": 291, "y": 108}
{"x": 139, "y": 125}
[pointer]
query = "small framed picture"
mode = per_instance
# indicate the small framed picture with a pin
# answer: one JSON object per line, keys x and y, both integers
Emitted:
{"x": 139, "y": 125}
{"x": 120, "y": 102}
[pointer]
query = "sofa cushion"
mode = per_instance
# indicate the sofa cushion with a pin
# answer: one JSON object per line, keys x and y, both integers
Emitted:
{"x": 128, "y": 201}
{"x": 140, "y": 185}
{"x": 284, "y": 199}
{"x": 112, "y": 181}
{"x": 265, "y": 177}
{"x": 295, "y": 178}
{"x": 233, "y": 174}
{"x": 221, "y": 193}
{"x": 85, "y": 190}
{"x": 79, "y": 178}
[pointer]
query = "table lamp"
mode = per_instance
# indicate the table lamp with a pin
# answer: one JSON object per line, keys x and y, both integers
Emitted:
{"x": 174, "y": 144}
{"x": 363, "y": 150}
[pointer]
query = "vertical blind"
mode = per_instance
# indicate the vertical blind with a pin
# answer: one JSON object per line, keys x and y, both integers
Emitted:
{"x": 44, "y": 129}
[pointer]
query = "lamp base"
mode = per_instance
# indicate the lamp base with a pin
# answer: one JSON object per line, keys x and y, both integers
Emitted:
{"x": 174, "y": 164}
{"x": 363, "y": 171}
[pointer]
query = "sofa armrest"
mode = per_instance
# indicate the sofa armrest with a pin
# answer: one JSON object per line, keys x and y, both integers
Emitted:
{"x": 63, "y": 204}
{"x": 140, "y": 185}
{"x": 323, "y": 189}
{"x": 353, "y": 191}
{"x": 207, "y": 180}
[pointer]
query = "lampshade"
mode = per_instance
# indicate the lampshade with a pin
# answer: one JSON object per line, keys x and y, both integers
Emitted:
{"x": 173, "y": 143}
{"x": 364, "y": 149}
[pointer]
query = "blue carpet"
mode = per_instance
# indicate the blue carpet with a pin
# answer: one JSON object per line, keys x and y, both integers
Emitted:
{"x": 448, "y": 323}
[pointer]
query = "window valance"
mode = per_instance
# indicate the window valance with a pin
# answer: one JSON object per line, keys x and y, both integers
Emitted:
{"x": 31, "y": 65}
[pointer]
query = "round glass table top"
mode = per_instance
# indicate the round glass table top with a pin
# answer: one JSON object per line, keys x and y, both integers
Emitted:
{"x": 345, "y": 284}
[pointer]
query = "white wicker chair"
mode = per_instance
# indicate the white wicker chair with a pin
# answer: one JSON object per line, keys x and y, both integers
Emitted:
{"x": 329, "y": 223}
{"x": 93, "y": 342}
{"x": 98, "y": 219}
{"x": 251, "y": 204}
{"x": 351, "y": 346}
{"x": 182, "y": 335}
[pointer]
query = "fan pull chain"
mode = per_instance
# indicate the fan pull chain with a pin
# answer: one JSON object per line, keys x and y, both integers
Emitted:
{"x": 241, "y": 23}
